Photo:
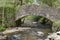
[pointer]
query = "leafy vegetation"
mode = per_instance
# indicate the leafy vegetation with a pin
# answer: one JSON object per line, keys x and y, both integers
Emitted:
{"x": 35, "y": 18}
{"x": 2, "y": 28}
{"x": 8, "y": 8}
{"x": 50, "y": 3}
{"x": 32, "y": 18}
{"x": 56, "y": 26}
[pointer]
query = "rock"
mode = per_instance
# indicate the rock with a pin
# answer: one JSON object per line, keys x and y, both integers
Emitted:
{"x": 39, "y": 33}
{"x": 54, "y": 36}
{"x": 14, "y": 30}
{"x": 25, "y": 35}
{"x": 58, "y": 33}
{"x": 40, "y": 39}
{"x": 30, "y": 33}
{"x": 16, "y": 37}
{"x": 29, "y": 23}
{"x": 3, "y": 37}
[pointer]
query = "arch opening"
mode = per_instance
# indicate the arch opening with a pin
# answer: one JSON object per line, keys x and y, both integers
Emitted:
{"x": 34, "y": 21}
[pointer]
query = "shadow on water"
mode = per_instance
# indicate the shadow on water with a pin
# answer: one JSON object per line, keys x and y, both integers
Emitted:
{"x": 34, "y": 21}
{"x": 40, "y": 28}
{"x": 31, "y": 34}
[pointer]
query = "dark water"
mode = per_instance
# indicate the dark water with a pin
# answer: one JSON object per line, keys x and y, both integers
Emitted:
{"x": 32, "y": 34}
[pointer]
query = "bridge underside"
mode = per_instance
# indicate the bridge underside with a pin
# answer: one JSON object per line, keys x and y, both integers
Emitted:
{"x": 34, "y": 24}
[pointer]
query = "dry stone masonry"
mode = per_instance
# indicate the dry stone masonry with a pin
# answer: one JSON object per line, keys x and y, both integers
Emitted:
{"x": 45, "y": 11}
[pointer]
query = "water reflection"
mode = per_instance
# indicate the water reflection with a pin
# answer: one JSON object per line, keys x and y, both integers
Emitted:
{"x": 16, "y": 37}
{"x": 32, "y": 34}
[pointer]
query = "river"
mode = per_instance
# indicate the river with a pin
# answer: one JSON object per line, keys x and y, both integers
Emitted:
{"x": 32, "y": 34}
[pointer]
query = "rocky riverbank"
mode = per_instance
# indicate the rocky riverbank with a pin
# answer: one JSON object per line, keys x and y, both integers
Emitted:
{"x": 4, "y": 35}
{"x": 54, "y": 36}
{"x": 29, "y": 33}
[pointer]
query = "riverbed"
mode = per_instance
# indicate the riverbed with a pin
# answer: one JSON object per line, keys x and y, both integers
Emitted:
{"x": 32, "y": 34}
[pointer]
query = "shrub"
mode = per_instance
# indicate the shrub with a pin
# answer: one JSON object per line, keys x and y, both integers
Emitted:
{"x": 2, "y": 28}
{"x": 56, "y": 26}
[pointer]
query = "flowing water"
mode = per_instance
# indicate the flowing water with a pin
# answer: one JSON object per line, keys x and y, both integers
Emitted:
{"x": 32, "y": 34}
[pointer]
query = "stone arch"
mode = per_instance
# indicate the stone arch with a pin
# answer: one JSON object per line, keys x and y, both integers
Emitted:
{"x": 43, "y": 15}
{"x": 39, "y": 10}
{"x": 45, "y": 11}
{"x": 30, "y": 15}
{"x": 17, "y": 21}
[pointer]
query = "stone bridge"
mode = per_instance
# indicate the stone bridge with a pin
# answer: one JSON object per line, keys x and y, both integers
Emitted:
{"x": 45, "y": 11}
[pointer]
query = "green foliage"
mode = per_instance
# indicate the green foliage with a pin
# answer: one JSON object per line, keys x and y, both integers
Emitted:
{"x": 35, "y": 18}
{"x": 50, "y": 3}
{"x": 10, "y": 8}
{"x": 2, "y": 28}
{"x": 31, "y": 18}
{"x": 56, "y": 26}
{"x": 57, "y": 4}
{"x": 28, "y": 2}
{"x": 6, "y": 3}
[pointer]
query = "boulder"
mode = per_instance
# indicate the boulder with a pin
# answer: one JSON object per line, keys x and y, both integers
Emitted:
{"x": 54, "y": 36}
